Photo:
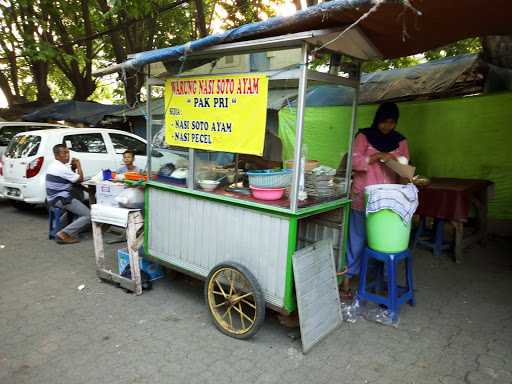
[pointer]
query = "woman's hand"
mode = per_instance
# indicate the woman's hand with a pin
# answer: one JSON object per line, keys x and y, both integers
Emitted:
{"x": 381, "y": 156}
{"x": 375, "y": 157}
{"x": 386, "y": 157}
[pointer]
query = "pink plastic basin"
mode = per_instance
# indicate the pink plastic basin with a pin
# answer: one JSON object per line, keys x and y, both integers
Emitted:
{"x": 267, "y": 193}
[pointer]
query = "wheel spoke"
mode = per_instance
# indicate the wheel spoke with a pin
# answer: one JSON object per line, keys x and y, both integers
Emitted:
{"x": 230, "y": 318}
{"x": 248, "y": 303}
{"x": 241, "y": 315}
{"x": 218, "y": 293}
{"x": 235, "y": 276}
{"x": 231, "y": 285}
{"x": 228, "y": 312}
{"x": 220, "y": 304}
{"x": 220, "y": 287}
{"x": 242, "y": 297}
{"x": 244, "y": 315}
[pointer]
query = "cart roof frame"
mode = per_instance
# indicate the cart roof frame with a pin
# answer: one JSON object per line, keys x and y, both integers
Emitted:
{"x": 352, "y": 44}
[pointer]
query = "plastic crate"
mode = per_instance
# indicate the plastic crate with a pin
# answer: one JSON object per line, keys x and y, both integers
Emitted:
{"x": 153, "y": 270}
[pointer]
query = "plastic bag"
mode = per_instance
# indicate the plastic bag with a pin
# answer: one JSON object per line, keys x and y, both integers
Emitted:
{"x": 369, "y": 311}
{"x": 131, "y": 198}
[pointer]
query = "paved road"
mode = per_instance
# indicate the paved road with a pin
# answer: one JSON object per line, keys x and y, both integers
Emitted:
{"x": 50, "y": 332}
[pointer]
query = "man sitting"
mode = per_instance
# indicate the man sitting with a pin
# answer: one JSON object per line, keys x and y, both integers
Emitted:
{"x": 59, "y": 184}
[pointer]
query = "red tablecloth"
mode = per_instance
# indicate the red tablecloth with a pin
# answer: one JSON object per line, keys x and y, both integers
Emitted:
{"x": 450, "y": 199}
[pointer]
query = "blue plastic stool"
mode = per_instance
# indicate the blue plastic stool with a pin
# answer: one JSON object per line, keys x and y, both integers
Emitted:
{"x": 435, "y": 240}
{"x": 396, "y": 295}
{"x": 55, "y": 223}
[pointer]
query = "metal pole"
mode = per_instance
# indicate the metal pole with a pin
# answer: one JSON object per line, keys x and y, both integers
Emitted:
{"x": 237, "y": 159}
{"x": 191, "y": 168}
{"x": 351, "y": 137}
{"x": 299, "y": 127}
{"x": 149, "y": 123}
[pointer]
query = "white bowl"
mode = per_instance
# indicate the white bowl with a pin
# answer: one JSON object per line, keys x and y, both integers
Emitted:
{"x": 208, "y": 185}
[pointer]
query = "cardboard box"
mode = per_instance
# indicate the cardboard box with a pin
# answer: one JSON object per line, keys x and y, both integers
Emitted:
{"x": 106, "y": 193}
{"x": 403, "y": 170}
{"x": 154, "y": 270}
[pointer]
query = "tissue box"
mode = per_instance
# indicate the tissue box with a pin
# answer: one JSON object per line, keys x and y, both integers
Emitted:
{"x": 154, "y": 270}
{"x": 106, "y": 193}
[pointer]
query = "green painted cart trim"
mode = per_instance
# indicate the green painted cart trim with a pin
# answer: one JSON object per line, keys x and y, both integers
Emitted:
{"x": 301, "y": 213}
{"x": 224, "y": 199}
{"x": 290, "y": 303}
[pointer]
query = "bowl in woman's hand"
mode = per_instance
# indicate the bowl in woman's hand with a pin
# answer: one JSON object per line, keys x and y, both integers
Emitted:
{"x": 420, "y": 181}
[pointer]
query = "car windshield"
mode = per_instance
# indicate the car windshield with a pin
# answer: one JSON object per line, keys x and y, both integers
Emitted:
{"x": 6, "y": 134}
{"x": 23, "y": 146}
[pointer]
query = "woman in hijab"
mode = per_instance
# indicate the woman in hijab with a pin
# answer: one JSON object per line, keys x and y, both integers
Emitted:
{"x": 372, "y": 148}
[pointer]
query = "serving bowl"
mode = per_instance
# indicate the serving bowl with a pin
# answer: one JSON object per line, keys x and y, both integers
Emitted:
{"x": 209, "y": 185}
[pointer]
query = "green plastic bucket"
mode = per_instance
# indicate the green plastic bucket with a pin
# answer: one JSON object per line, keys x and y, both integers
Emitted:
{"x": 386, "y": 231}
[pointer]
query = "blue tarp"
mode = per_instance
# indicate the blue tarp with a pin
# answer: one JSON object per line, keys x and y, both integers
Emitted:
{"x": 74, "y": 111}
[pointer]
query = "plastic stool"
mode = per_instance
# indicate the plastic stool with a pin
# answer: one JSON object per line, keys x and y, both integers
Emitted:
{"x": 396, "y": 295}
{"x": 54, "y": 221}
{"x": 435, "y": 240}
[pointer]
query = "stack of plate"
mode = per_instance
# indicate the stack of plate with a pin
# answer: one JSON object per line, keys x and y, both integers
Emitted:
{"x": 320, "y": 186}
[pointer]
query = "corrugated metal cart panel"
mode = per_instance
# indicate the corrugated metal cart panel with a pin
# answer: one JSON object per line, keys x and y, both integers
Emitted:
{"x": 197, "y": 234}
{"x": 326, "y": 226}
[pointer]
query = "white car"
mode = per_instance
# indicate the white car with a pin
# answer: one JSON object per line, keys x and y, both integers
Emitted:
{"x": 30, "y": 153}
{"x": 10, "y": 128}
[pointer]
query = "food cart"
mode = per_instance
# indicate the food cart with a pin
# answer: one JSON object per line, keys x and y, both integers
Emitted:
{"x": 240, "y": 245}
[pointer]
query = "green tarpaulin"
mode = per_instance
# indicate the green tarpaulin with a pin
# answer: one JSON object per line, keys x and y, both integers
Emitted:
{"x": 468, "y": 137}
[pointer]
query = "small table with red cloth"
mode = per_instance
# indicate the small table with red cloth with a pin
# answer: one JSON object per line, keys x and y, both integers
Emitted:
{"x": 451, "y": 200}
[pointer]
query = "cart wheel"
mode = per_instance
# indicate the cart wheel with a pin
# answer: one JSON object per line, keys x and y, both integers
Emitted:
{"x": 235, "y": 300}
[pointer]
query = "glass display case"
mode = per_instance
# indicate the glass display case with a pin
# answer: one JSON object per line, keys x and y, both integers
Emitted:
{"x": 309, "y": 120}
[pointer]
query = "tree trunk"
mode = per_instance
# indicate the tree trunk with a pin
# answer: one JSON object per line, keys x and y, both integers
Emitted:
{"x": 88, "y": 82}
{"x": 81, "y": 80}
{"x": 201, "y": 20}
{"x": 497, "y": 50}
{"x": 115, "y": 37}
{"x": 133, "y": 84}
{"x": 13, "y": 67}
{"x": 6, "y": 89}
{"x": 40, "y": 71}
{"x": 38, "y": 67}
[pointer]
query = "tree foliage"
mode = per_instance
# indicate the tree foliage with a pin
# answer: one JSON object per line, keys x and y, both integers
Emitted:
{"x": 48, "y": 49}
{"x": 461, "y": 47}
{"x": 240, "y": 12}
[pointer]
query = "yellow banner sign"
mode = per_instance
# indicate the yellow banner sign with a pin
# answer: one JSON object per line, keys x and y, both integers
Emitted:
{"x": 217, "y": 113}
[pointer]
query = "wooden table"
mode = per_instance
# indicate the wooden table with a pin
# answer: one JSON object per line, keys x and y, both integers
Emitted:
{"x": 133, "y": 223}
{"x": 90, "y": 187}
{"x": 450, "y": 200}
